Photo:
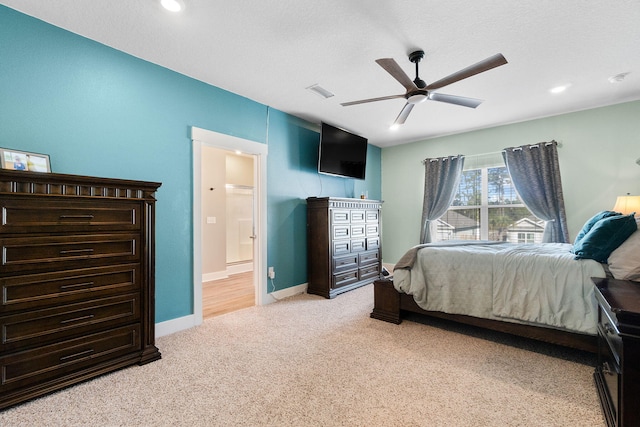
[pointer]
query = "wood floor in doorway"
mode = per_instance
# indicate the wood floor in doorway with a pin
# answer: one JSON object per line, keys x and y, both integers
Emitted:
{"x": 227, "y": 295}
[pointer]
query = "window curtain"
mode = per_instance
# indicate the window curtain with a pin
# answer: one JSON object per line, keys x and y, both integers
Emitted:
{"x": 441, "y": 179}
{"x": 535, "y": 174}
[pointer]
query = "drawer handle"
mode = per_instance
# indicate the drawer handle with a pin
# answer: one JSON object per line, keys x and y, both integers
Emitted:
{"x": 610, "y": 329}
{"x": 76, "y": 216}
{"x": 76, "y": 355}
{"x": 76, "y": 251}
{"x": 606, "y": 369}
{"x": 76, "y": 285}
{"x": 77, "y": 319}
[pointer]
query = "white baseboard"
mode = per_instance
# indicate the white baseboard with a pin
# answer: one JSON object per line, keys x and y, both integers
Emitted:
{"x": 175, "y": 325}
{"x": 231, "y": 269}
{"x": 181, "y": 323}
{"x": 285, "y": 293}
{"x": 216, "y": 275}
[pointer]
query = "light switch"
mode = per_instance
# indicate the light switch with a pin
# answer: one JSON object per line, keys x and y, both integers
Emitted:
{"x": 211, "y": 220}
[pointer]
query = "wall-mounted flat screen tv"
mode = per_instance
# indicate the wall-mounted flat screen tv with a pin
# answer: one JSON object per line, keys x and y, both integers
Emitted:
{"x": 342, "y": 153}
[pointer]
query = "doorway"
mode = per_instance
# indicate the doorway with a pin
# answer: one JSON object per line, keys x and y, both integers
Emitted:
{"x": 212, "y": 220}
{"x": 228, "y": 231}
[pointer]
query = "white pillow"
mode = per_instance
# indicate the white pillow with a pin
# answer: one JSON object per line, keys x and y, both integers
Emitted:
{"x": 624, "y": 262}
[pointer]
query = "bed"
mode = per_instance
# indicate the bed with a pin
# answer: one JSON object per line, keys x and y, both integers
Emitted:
{"x": 542, "y": 291}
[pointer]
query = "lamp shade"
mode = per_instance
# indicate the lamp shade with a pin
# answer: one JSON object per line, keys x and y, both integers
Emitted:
{"x": 627, "y": 205}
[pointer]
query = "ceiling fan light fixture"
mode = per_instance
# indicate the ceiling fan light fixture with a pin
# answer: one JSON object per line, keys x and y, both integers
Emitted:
{"x": 417, "y": 98}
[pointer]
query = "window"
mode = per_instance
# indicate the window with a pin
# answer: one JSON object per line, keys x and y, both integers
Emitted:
{"x": 487, "y": 206}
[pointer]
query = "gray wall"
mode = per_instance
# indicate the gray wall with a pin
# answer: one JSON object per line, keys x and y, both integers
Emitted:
{"x": 598, "y": 151}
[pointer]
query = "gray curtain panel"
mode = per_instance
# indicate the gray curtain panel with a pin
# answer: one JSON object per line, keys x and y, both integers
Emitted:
{"x": 441, "y": 179}
{"x": 535, "y": 173}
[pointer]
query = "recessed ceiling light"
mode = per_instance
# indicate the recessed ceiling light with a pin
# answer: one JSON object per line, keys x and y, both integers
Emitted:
{"x": 172, "y": 5}
{"x": 559, "y": 89}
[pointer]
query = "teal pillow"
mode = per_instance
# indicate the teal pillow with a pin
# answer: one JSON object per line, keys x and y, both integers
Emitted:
{"x": 591, "y": 222}
{"x": 605, "y": 236}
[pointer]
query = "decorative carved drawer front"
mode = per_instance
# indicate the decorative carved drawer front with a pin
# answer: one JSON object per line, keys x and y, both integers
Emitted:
{"x": 368, "y": 272}
{"x": 19, "y": 254}
{"x": 358, "y": 245}
{"x": 373, "y": 216}
{"x": 345, "y": 279}
{"x": 373, "y": 243}
{"x": 24, "y": 216}
{"x": 341, "y": 247}
{"x": 358, "y": 231}
{"x": 39, "y": 326}
{"x": 35, "y": 290}
{"x": 373, "y": 230}
{"x": 339, "y": 216}
{"x": 341, "y": 232}
{"x": 344, "y": 263}
{"x": 357, "y": 216}
{"x": 369, "y": 257}
{"x": 44, "y": 363}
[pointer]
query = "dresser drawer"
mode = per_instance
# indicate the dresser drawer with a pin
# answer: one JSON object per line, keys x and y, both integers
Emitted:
{"x": 28, "y": 216}
{"x": 344, "y": 279}
{"x": 369, "y": 272}
{"x": 609, "y": 371}
{"x": 38, "y": 326}
{"x": 373, "y": 216}
{"x": 36, "y": 290}
{"x": 373, "y": 243}
{"x": 29, "y": 253}
{"x": 369, "y": 257}
{"x": 358, "y": 230}
{"x": 345, "y": 263}
{"x": 44, "y": 363}
{"x": 358, "y": 215}
{"x": 340, "y": 216}
{"x": 609, "y": 332}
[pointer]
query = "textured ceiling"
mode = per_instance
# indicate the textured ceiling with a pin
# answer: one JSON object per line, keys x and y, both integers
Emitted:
{"x": 270, "y": 51}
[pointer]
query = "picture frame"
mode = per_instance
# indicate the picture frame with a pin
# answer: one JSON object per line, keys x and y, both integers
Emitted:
{"x": 24, "y": 161}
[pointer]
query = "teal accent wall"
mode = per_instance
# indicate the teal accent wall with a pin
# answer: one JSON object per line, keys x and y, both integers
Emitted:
{"x": 597, "y": 155}
{"x": 98, "y": 111}
{"x": 292, "y": 176}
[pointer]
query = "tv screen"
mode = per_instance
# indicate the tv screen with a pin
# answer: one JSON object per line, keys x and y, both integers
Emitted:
{"x": 341, "y": 153}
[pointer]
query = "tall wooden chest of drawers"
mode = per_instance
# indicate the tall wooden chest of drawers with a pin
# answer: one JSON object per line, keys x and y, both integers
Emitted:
{"x": 76, "y": 280}
{"x": 617, "y": 375}
{"x": 343, "y": 244}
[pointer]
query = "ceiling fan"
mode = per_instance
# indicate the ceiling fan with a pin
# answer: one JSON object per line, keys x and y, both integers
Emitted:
{"x": 418, "y": 91}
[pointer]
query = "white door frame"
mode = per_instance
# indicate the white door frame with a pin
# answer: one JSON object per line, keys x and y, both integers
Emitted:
{"x": 201, "y": 137}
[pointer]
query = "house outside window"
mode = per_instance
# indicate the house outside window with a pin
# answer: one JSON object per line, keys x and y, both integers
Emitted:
{"x": 487, "y": 206}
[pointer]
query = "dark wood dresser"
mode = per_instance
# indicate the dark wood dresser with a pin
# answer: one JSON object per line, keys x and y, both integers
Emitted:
{"x": 343, "y": 241}
{"x": 617, "y": 374}
{"x": 76, "y": 280}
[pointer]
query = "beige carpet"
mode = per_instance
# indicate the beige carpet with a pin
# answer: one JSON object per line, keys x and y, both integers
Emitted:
{"x": 308, "y": 361}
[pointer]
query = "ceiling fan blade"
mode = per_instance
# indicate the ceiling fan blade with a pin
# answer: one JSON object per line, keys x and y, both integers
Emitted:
{"x": 392, "y": 67}
{"x": 454, "y": 99}
{"x": 403, "y": 114}
{"x": 362, "y": 101}
{"x": 485, "y": 65}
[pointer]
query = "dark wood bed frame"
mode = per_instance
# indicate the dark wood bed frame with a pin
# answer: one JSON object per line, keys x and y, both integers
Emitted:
{"x": 389, "y": 305}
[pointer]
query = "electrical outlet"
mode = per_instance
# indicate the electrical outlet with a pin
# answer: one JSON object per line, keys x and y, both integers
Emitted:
{"x": 272, "y": 273}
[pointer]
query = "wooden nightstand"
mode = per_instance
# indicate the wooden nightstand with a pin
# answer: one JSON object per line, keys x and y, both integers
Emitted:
{"x": 617, "y": 374}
